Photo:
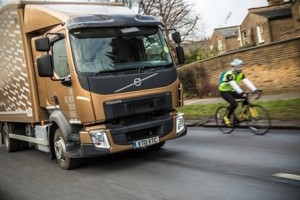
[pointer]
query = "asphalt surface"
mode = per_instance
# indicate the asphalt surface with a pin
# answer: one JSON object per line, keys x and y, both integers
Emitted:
{"x": 203, "y": 165}
{"x": 276, "y": 124}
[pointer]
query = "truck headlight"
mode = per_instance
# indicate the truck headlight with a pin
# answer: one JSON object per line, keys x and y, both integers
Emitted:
{"x": 99, "y": 139}
{"x": 180, "y": 122}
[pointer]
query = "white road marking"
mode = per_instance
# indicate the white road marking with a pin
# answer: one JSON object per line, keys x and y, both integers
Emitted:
{"x": 288, "y": 176}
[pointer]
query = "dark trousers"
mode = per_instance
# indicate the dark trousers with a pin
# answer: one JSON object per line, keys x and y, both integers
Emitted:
{"x": 231, "y": 97}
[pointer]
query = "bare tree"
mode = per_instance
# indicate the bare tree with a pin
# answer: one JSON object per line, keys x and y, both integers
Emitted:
{"x": 176, "y": 14}
{"x": 130, "y": 3}
{"x": 147, "y": 7}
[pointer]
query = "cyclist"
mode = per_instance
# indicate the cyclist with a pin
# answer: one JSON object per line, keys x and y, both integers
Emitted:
{"x": 229, "y": 88}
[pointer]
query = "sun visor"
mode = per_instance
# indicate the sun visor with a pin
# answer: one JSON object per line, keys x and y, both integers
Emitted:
{"x": 37, "y": 17}
{"x": 112, "y": 20}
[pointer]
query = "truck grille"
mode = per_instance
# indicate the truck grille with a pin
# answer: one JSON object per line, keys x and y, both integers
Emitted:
{"x": 134, "y": 106}
{"x": 127, "y": 134}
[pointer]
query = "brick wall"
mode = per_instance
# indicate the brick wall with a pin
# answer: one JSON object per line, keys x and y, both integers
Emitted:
{"x": 273, "y": 67}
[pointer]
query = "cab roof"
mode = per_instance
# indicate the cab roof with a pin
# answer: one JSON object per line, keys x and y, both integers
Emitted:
{"x": 75, "y": 14}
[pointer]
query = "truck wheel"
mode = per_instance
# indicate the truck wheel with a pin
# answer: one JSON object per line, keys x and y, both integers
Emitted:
{"x": 10, "y": 144}
{"x": 156, "y": 146}
{"x": 60, "y": 149}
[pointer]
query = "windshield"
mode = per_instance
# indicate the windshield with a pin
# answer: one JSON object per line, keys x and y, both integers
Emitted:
{"x": 98, "y": 50}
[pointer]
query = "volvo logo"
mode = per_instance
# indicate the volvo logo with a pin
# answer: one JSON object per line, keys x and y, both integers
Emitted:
{"x": 113, "y": 102}
{"x": 137, "y": 82}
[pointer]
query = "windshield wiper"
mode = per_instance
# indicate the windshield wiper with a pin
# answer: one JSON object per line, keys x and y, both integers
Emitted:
{"x": 154, "y": 68}
{"x": 115, "y": 71}
{"x": 143, "y": 68}
{"x": 146, "y": 65}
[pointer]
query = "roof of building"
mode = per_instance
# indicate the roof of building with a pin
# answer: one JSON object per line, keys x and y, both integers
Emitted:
{"x": 231, "y": 31}
{"x": 275, "y": 13}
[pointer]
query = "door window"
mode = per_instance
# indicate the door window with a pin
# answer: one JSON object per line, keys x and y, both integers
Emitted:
{"x": 60, "y": 59}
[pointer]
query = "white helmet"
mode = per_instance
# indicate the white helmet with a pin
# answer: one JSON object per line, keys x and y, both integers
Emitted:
{"x": 236, "y": 63}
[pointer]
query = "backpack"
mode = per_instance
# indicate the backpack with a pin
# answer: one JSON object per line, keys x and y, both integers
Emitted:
{"x": 221, "y": 77}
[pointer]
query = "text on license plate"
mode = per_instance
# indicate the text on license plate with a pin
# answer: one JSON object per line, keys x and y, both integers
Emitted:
{"x": 145, "y": 142}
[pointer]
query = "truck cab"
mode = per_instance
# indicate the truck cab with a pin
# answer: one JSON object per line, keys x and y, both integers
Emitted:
{"x": 106, "y": 78}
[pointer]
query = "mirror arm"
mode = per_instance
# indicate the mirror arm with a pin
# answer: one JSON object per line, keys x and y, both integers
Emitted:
{"x": 59, "y": 36}
{"x": 56, "y": 79}
{"x": 66, "y": 80}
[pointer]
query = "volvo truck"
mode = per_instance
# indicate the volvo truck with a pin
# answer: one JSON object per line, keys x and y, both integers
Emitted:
{"x": 80, "y": 80}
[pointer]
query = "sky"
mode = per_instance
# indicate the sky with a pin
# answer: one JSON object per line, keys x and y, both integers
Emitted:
{"x": 215, "y": 12}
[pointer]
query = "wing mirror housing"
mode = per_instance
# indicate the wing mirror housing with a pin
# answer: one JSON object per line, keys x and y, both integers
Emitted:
{"x": 42, "y": 44}
{"x": 176, "y": 37}
{"x": 45, "y": 66}
{"x": 180, "y": 54}
{"x": 179, "y": 50}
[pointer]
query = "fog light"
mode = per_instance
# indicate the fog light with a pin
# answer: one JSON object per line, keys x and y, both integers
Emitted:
{"x": 99, "y": 139}
{"x": 180, "y": 122}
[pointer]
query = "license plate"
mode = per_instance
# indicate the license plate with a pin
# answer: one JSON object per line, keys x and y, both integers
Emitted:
{"x": 145, "y": 142}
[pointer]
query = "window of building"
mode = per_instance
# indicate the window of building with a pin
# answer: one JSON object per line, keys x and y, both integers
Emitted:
{"x": 220, "y": 45}
{"x": 260, "y": 35}
{"x": 244, "y": 37}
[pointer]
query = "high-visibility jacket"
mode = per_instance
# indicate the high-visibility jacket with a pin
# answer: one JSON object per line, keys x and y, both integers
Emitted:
{"x": 230, "y": 76}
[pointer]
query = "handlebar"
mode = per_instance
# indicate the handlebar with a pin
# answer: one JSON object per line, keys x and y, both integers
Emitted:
{"x": 258, "y": 92}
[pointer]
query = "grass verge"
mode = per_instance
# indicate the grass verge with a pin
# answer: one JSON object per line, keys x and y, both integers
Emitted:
{"x": 279, "y": 109}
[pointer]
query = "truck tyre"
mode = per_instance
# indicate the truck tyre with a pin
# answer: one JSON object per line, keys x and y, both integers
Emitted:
{"x": 60, "y": 149}
{"x": 156, "y": 146}
{"x": 11, "y": 145}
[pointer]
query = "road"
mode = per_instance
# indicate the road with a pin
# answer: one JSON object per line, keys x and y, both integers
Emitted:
{"x": 204, "y": 164}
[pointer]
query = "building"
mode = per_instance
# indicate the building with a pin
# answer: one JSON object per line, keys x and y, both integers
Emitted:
{"x": 224, "y": 40}
{"x": 278, "y": 21}
{"x": 265, "y": 25}
{"x": 295, "y": 31}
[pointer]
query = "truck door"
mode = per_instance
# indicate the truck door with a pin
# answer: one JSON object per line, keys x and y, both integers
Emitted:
{"x": 56, "y": 92}
{"x": 61, "y": 93}
{"x": 62, "y": 90}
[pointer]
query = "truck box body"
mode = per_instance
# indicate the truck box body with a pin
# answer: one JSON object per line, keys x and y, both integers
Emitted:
{"x": 15, "y": 93}
{"x": 85, "y": 79}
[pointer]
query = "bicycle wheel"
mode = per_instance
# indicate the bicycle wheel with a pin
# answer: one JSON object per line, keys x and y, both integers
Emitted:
{"x": 259, "y": 120}
{"x": 219, "y": 118}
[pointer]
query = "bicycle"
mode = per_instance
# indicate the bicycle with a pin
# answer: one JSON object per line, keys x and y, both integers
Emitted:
{"x": 256, "y": 116}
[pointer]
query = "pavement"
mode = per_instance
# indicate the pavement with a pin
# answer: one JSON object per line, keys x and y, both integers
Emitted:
{"x": 276, "y": 124}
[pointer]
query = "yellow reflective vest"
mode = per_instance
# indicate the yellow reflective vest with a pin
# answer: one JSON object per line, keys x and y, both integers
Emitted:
{"x": 229, "y": 76}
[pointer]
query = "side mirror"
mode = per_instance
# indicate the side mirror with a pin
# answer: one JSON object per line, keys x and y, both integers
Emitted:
{"x": 176, "y": 37}
{"x": 180, "y": 54}
{"x": 45, "y": 66}
{"x": 42, "y": 44}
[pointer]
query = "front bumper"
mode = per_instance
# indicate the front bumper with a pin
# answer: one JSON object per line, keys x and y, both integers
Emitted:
{"x": 183, "y": 132}
{"x": 121, "y": 137}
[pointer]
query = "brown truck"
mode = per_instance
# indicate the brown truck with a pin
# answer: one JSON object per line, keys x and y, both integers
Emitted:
{"x": 86, "y": 79}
